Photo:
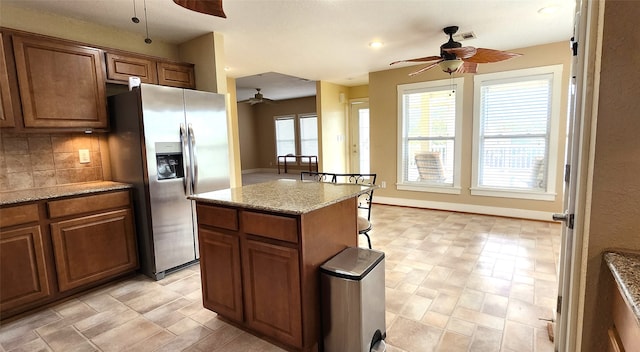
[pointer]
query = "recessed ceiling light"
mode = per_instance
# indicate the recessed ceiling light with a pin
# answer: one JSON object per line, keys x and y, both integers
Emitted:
{"x": 549, "y": 10}
{"x": 227, "y": 68}
{"x": 375, "y": 44}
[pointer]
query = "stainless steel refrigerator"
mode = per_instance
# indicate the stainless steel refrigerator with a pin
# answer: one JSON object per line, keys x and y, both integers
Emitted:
{"x": 169, "y": 143}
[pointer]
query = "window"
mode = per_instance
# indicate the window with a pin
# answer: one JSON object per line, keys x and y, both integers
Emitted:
{"x": 297, "y": 135}
{"x": 286, "y": 136}
{"x": 429, "y": 121}
{"x": 308, "y": 135}
{"x": 516, "y": 121}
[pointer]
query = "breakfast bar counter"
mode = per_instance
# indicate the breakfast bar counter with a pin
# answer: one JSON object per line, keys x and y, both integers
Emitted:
{"x": 261, "y": 247}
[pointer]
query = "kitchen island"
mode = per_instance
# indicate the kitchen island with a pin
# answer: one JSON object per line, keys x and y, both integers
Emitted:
{"x": 261, "y": 247}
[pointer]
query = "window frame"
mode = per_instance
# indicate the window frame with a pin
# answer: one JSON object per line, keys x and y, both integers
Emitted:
{"x": 553, "y": 125}
{"x": 456, "y": 84}
{"x": 297, "y": 136}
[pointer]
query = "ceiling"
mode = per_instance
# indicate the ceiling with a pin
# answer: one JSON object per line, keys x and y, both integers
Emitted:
{"x": 309, "y": 40}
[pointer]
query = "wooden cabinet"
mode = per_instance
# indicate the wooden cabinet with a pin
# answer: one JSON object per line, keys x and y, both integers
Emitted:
{"x": 272, "y": 291}
{"x": 91, "y": 248}
{"x": 7, "y": 114}
{"x": 261, "y": 269}
{"x": 23, "y": 265}
{"x": 220, "y": 265}
{"x": 624, "y": 335}
{"x": 120, "y": 66}
{"x": 62, "y": 84}
{"x": 50, "y": 250}
{"x": 179, "y": 75}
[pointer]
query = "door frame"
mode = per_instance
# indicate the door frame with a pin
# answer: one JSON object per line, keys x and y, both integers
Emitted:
{"x": 588, "y": 32}
{"x": 354, "y": 133}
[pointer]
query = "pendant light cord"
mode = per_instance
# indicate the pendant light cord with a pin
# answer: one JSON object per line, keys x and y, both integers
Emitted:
{"x": 146, "y": 24}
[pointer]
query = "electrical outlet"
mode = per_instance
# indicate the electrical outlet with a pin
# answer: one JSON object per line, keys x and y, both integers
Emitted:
{"x": 383, "y": 184}
{"x": 85, "y": 156}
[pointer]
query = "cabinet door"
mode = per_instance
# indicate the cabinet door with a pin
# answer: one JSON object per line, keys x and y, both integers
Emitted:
{"x": 221, "y": 273}
{"x": 7, "y": 117}
{"x": 272, "y": 291}
{"x": 61, "y": 84}
{"x": 92, "y": 248}
{"x": 23, "y": 274}
{"x": 121, "y": 67}
{"x": 176, "y": 75}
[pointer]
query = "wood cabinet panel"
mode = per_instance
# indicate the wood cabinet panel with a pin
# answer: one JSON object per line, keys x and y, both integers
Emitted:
{"x": 225, "y": 218}
{"x": 179, "y": 75}
{"x": 7, "y": 114}
{"x": 121, "y": 67}
{"x": 19, "y": 214}
{"x": 625, "y": 322}
{"x": 221, "y": 273}
{"x": 93, "y": 247}
{"x": 270, "y": 226}
{"x": 272, "y": 291}
{"x": 23, "y": 273}
{"x": 87, "y": 204}
{"x": 61, "y": 84}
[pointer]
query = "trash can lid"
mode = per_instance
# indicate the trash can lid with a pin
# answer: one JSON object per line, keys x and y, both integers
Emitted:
{"x": 353, "y": 263}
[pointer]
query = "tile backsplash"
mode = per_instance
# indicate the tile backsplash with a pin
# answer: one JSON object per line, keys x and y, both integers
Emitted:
{"x": 44, "y": 160}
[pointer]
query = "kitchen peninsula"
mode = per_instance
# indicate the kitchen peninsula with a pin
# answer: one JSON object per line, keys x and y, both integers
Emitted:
{"x": 261, "y": 247}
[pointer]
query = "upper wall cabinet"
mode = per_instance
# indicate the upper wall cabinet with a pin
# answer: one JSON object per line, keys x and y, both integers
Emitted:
{"x": 176, "y": 74}
{"x": 7, "y": 114}
{"x": 120, "y": 66}
{"x": 62, "y": 84}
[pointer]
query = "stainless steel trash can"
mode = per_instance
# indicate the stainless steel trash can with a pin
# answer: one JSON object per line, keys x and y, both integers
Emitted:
{"x": 353, "y": 308}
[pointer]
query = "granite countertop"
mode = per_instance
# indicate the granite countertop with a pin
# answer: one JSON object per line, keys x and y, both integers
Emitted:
{"x": 626, "y": 271}
{"x": 34, "y": 194}
{"x": 283, "y": 196}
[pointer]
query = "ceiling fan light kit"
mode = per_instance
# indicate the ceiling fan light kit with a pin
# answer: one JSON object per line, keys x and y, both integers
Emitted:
{"x": 450, "y": 66}
{"x": 457, "y": 58}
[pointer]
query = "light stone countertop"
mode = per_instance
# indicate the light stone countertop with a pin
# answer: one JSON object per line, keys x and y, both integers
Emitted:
{"x": 625, "y": 267}
{"x": 283, "y": 196}
{"x": 35, "y": 194}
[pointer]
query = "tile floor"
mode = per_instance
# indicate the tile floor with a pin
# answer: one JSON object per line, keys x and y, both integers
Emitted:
{"x": 454, "y": 282}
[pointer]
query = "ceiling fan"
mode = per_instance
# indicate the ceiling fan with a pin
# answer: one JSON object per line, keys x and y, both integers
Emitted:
{"x": 457, "y": 58}
{"x": 209, "y": 7}
{"x": 257, "y": 99}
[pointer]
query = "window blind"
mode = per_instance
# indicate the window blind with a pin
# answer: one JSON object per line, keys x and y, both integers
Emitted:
{"x": 286, "y": 136}
{"x": 514, "y": 133}
{"x": 309, "y": 135}
{"x": 429, "y": 135}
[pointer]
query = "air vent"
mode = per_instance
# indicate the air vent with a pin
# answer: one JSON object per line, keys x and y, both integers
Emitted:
{"x": 464, "y": 36}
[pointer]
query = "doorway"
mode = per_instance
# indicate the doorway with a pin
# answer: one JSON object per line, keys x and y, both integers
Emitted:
{"x": 359, "y": 127}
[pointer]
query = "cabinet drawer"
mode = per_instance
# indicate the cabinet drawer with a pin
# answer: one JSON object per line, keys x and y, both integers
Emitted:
{"x": 87, "y": 204}
{"x": 225, "y": 218}
{"x": 20, "y": 214}
{"x": 271, "y": 226}
{"x": 121, "y": 67}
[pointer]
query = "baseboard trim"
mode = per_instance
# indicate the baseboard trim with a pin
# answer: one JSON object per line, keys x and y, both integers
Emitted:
{"x": 467, "y": 208}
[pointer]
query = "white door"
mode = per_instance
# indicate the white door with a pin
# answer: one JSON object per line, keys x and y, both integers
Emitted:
{"x": 359, "y": 127}
{"x": 576, "y": 159}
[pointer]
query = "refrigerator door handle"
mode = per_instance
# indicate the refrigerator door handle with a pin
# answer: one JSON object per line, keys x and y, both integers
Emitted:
{"x": 194, "y": 159}
{"x": 185, "y": 165}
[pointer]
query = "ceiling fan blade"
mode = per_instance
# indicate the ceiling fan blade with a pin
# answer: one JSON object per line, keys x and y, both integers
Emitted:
{"x": 209, "y": 7}
{"x": 425, "y": 68}
{"x": 462, "y": 53}
{"x": 420, "y": 59}
{"x": 484, "y": 56}
{"x": 468, "y": 67}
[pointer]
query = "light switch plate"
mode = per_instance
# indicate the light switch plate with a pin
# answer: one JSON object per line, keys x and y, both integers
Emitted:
{"x": 85, "y": 156}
